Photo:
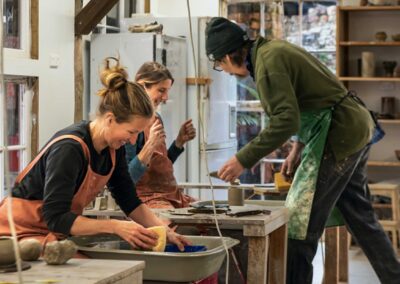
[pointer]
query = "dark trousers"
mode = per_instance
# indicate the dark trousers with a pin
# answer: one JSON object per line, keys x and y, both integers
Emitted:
{"x": 345, "y": 185}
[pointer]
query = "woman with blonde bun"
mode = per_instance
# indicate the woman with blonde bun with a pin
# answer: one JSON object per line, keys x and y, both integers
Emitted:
{"x": 50, "y": 194}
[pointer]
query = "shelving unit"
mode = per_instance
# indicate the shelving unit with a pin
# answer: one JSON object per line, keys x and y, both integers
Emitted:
{"x": 355, "y": 34}
{"x": 356, "y": 29}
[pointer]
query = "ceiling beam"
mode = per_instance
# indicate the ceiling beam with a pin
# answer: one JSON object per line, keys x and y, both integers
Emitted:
{"x": 87, "y": 19}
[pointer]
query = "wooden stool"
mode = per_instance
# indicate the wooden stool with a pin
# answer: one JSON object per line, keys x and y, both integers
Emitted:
{"x": 393, "y": 225}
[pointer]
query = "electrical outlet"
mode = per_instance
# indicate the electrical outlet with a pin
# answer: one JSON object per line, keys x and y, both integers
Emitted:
{"x": 54, "y": 60}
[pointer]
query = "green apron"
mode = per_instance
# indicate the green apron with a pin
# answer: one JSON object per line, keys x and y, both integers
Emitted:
{"x": 313, "y": 134}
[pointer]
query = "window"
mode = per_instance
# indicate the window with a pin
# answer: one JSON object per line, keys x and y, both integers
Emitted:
{"x": 16, "y": 19}
{"x": 18, "y": 108}
{"x": 312, "y": 25}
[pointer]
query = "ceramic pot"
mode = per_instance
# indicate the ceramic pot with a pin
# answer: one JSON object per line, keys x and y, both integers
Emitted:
{"x": 367, "y": 64}
{"x": 389, "y": 68}
{"x": 7, "y": 255}
{"x": 380, "y": 36}
{"x": 388, "y": 106}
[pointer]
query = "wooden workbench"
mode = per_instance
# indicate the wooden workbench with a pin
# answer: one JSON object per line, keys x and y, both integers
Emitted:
{"x": 82, "y": 271}
{"x": 267, "y": 235}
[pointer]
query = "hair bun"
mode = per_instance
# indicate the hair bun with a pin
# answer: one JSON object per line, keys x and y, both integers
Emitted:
{"x": 112, "y": 77}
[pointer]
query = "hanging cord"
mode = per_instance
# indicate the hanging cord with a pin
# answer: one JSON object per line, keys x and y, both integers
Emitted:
{"x": 202, "y": 142}
{"x": 6, "y": 165}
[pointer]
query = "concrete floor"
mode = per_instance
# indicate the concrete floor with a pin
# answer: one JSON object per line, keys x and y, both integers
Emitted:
{"x": 360, "y": 270}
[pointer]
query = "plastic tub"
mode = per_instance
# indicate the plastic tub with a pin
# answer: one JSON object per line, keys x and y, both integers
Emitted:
{"x": 161, "y": 266}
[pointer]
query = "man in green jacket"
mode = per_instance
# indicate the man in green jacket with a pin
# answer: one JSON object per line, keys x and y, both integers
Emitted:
{"x": 332, "y": 132}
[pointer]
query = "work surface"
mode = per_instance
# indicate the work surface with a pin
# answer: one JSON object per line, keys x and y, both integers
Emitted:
{"x": 266, "y": 234}
{"x": 267, "y": 237}
{"x": 265, "y": 222}
{"x": 82, "y": 271}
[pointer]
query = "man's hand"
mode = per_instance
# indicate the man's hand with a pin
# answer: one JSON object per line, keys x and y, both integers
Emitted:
{"x": 231, "y": 170}
{"x": 292, "y": 161}
{"x": 186, "y": 133}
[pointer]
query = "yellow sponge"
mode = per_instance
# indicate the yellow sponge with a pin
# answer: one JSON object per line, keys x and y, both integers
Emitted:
{"x": 280, "y": 182}
{"x": 161, "y": 231}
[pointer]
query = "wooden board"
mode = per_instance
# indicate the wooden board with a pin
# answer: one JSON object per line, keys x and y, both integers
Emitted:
{"x": 82, "y": 271}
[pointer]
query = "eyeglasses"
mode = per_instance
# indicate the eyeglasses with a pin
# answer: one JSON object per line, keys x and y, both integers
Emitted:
{"x": 216, "y": 66}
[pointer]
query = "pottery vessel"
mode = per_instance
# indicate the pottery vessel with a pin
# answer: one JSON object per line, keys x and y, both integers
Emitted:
{"x": 389, "y": 68}
{"x": 396, "y": 37}
{"x": 380, "y": 36}
{"x": 7, "y": 255}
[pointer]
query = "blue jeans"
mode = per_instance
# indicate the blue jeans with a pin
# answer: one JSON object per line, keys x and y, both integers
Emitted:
{"x": 344, "y": 185}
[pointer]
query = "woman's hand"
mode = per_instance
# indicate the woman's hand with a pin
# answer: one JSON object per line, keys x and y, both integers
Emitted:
{"x": 177, "y": 239}
{"x": 292, "y": 161}
{"x": 186, "y": 133}
{"x": 135, "y": 234}
{"x": 156, "y": 137}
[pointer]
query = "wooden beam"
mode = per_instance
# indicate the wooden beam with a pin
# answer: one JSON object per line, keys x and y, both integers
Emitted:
{"x": 198, "y": 81}
{"x": 34, "y": 29}
{"x": 87, "y": 18}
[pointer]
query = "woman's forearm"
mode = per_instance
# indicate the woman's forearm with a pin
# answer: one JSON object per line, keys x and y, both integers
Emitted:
{"x": 86, "y": 226}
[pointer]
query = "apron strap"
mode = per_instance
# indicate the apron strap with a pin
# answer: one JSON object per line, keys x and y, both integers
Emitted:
{"x": 34, "y": 161}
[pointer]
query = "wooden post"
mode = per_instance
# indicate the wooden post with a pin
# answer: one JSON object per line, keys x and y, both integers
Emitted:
{"x": 331, "y": 273}
{"x": 35, "y": 119}
{"x": 78, "y": 71}
{"x": 258, "y": 250}
{"x": 34, "y": 29}
{"x": 277, "y": 255}
{"x": 343, "y": 254}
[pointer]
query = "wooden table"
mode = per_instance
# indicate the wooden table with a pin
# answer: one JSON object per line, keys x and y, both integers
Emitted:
{"x": 82, "y": 271}
{"x": 267, "y": 235}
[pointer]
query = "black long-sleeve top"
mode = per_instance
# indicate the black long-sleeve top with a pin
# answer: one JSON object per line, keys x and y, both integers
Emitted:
{"x": 59, "y": 173}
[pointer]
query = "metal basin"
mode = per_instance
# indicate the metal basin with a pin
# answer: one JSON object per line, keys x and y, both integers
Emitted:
{"x": 161, "y": 266}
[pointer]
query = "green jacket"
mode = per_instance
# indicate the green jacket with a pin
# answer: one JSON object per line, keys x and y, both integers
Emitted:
{"x": 289, "y": 80}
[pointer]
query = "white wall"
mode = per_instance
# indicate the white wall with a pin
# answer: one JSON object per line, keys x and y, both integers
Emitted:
{"x": 56, "y": 85}
{"x": 178, "y": 8}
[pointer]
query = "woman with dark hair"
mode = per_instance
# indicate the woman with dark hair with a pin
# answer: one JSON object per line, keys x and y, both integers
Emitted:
{"x": 150, "y": 164}
{"x": 74, "y": 166}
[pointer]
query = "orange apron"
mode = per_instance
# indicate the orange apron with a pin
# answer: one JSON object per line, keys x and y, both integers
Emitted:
{"x": 27, "y": 214}
{"x": 157, "y": 188}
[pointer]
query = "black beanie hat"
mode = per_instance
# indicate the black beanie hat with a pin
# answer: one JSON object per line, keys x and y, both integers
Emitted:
{"x": 223, "y": 37}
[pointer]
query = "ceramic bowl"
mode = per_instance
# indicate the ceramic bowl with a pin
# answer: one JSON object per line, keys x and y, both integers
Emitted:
{"x": 396, "y": 37}
{"x": 380, "y": 36}
{"x": 7, "y": 256}
{"x": 397, "y": 154}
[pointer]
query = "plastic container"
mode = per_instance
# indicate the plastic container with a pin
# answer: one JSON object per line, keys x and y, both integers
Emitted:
{"x": 161, "y": 266}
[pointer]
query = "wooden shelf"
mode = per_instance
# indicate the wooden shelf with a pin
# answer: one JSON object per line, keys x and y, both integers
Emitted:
{"x": 389, "y": 121}
{"x": 369, "y": 8}
{"x": 371, "y": 79}
{"x": 369, "y": 43}
{"x": 383, "y": 164}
